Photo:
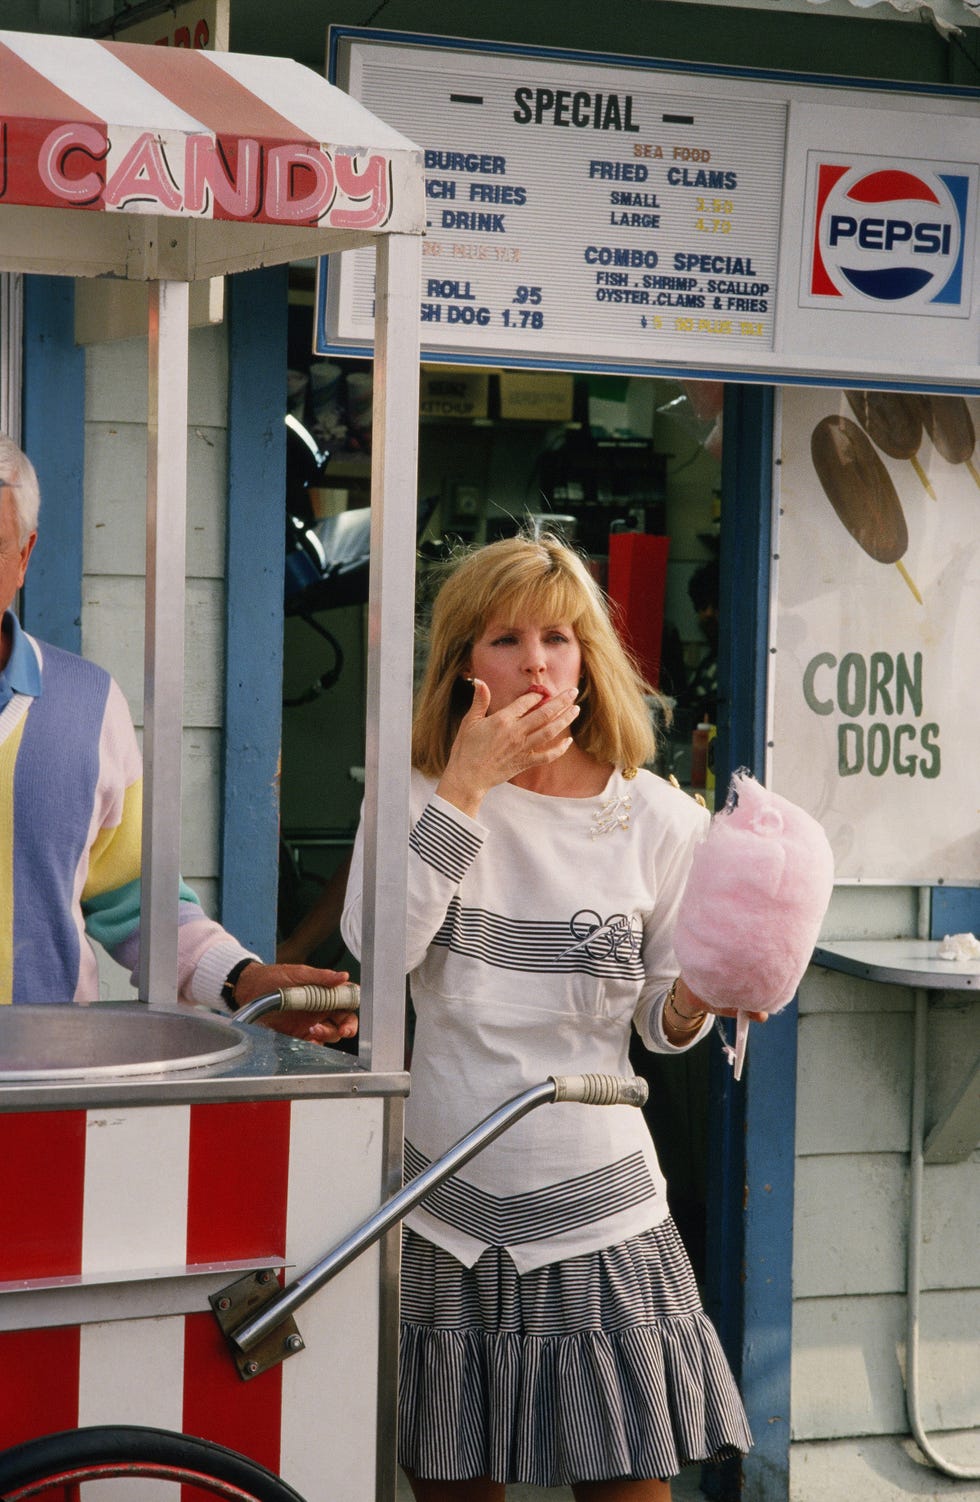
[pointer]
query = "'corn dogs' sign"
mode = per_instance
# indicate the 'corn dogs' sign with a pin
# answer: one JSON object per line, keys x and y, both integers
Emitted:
{"x": 874, "y": 723}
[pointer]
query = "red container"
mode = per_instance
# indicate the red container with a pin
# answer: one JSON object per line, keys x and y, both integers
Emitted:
{"x": 637, "y": 587}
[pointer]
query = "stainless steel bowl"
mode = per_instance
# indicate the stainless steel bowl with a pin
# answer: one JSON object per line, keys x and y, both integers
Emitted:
{"x": 111, "y": 1040}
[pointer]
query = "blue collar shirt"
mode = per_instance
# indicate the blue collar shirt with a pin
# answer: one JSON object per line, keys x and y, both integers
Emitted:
{"x": 22, "y": 675}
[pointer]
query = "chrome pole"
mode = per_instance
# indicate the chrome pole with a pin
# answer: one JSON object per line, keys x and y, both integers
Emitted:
{"x": 253, "y": 1331}
{"x": 163, "y": 646}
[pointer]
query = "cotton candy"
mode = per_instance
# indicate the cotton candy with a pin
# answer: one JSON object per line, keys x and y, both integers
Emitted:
{"x": 755, "y": 898}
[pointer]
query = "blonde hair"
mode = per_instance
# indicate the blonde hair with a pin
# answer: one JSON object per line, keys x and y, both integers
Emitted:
{"x": 542, "y": 580}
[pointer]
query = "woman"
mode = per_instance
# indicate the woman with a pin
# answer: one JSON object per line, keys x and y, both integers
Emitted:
{"x": 552, "y": 1332}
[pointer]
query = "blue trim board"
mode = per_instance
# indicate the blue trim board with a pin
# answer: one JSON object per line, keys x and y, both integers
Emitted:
{"x": 654, "y": 369}
{"x": 54, "y": 439}
{"x": 752, "y": 1123}
{"x": 254, "y": 570}
{"x": 955, "y": 910}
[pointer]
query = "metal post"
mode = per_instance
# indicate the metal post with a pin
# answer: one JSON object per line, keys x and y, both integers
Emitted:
{"x": 163, "y": 648}
{"x": 391, "y": 621}
{"x": 11, "y": 352}
{"x": 288, "y": 1300}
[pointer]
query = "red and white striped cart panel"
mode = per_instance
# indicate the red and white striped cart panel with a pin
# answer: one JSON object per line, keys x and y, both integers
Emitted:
{"x": 117, "y": 1221}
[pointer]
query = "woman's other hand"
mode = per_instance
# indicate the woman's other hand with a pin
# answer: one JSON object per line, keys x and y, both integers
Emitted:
{"x": 684, "y": 1013}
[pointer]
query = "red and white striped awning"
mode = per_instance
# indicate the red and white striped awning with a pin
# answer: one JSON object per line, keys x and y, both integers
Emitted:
{"x": 223, "y": 160}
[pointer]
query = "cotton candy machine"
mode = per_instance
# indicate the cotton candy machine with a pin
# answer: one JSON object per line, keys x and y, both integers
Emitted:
{"x": 151, "y": 1156}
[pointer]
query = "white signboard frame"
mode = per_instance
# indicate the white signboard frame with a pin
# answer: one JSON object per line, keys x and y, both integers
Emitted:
{"x": 597, "y": 212}
{"x": 873, "y": 716}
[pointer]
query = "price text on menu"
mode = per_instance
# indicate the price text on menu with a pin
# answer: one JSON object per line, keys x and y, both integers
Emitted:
{"x": 705, "y": 289}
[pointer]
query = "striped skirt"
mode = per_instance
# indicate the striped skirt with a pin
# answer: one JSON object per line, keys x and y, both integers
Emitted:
{"x": 601, "y": 1366}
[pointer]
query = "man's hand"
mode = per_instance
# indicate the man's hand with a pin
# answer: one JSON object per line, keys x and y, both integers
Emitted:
{"x": 315, "y": 1027}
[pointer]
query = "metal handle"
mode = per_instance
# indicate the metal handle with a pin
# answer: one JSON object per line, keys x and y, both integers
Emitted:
{"x": 590, "y": 1089}
{"x": 601, "y": 1089}
{"x": 342, "y": 998}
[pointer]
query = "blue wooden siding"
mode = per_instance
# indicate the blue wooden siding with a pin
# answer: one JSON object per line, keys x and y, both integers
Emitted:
{"x": 752, "y": 1136}
{"x": 54, "y": 440}
{"x": 254, "y": 606}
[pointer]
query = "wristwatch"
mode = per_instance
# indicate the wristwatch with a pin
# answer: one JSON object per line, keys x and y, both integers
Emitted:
{"x": 231, "y": 981}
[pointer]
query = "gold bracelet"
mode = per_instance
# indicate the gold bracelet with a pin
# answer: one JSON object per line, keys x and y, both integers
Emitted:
{"x": 688, "y": 1024}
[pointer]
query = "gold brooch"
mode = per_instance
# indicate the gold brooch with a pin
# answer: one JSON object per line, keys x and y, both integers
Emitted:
{"x": 612, "y": 813}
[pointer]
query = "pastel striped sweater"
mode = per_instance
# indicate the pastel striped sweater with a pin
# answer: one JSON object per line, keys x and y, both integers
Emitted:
{"x": 70, "y": 835}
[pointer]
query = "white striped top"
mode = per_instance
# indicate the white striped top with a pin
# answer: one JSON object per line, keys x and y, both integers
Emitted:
{"x": 536, "y": 935}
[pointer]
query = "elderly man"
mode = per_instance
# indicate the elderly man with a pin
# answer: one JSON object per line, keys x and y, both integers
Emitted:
{"x": 71, "y": 820}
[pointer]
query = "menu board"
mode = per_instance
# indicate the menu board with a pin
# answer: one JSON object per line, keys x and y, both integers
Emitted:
{"x": 553, "y": 188}
{"x": 595, "y": 212}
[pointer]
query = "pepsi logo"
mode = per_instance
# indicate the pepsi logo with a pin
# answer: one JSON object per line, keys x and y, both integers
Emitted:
{"x": 888, "y": 236}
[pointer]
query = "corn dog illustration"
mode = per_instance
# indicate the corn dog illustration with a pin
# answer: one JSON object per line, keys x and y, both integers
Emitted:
{"x": 859, "y": 488}
{"x": 948, "y": 422}
{"x": 893, "y": 420}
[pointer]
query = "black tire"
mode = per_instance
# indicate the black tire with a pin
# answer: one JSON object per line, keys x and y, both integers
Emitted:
{"x": 75, "y": 1456}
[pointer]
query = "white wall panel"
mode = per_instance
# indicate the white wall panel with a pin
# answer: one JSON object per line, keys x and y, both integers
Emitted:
{"x": 868, "y": 912}
{"x": 951, "y": 1236}
{"x": 115, "y": 484}
{"x": 854, "y": 1083}
{"x": 116, "y": 379}
{"x": 880, "y": 1470}
{"x": 952, "y": 1051}
{"x": 832, "y": 991}
{"x": 112, "y": 635}
{"x": 848, "y": 1363}
{"x": 116, "y": 385}
{"x": 200, "y": 777}
{"x": 850, "y": 1225}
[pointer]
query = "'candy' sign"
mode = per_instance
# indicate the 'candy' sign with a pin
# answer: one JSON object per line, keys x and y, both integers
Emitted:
{"x": 81, "y": 166}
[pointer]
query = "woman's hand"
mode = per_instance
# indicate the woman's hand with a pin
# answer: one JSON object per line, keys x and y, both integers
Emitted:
{"x": 492, "y": 748}
{"x": 684, "y": 1012}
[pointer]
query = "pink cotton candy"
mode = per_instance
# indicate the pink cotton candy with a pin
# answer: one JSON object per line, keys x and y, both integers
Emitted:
{"x": 755, "y": 898}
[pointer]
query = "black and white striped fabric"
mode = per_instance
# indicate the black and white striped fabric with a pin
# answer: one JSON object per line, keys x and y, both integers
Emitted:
{"x": 538, "y": 1214}
{"x": 600, "y": 1366}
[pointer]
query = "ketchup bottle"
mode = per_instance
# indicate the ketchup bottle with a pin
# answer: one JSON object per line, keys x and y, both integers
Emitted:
{"x": 699, "y": 753}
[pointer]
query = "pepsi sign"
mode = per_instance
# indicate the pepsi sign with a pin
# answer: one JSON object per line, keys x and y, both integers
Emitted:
{"x": 886, "y": 235}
